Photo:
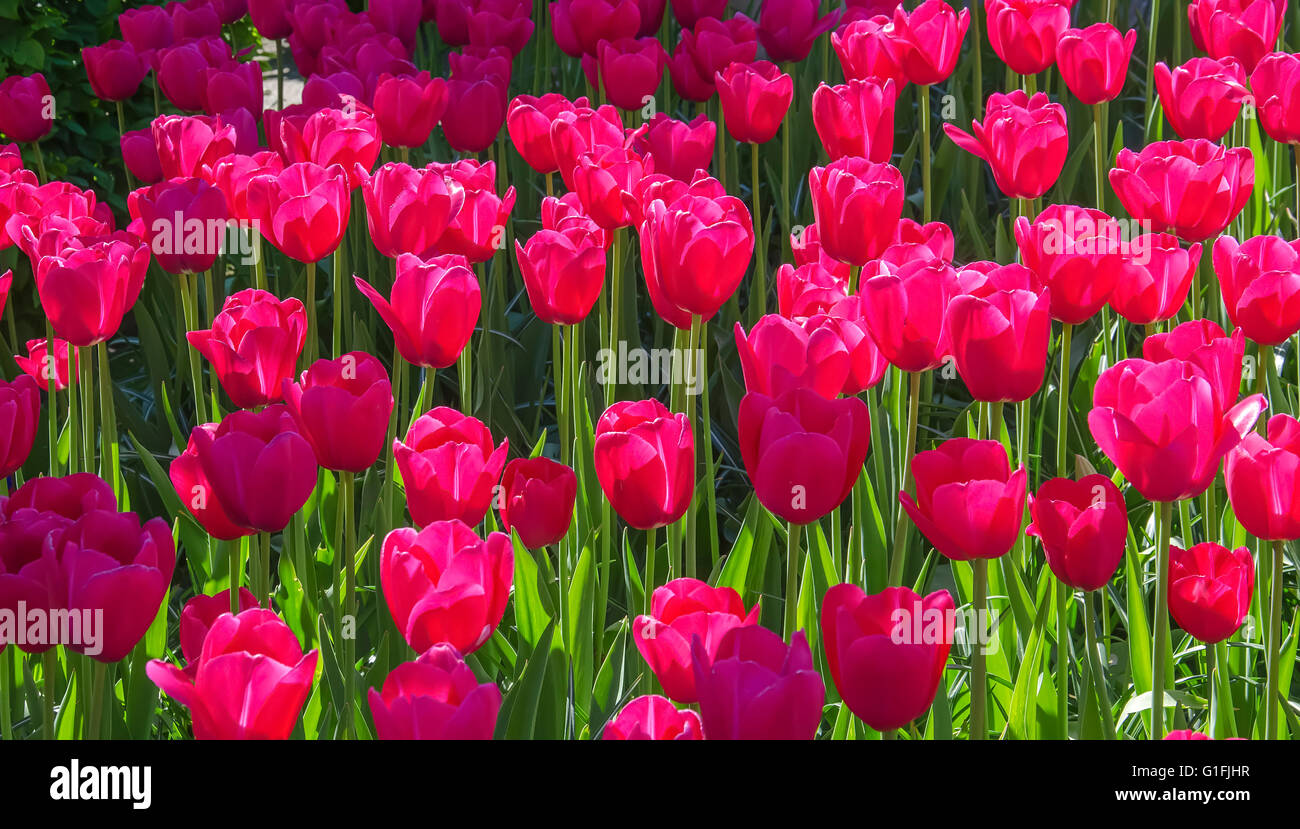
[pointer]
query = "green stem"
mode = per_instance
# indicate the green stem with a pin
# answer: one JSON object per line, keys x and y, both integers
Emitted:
{"x": 926, "y": 150}
{"x": 234, "y": 559}
{"x": 648, "y": 583}
{"x": 40, "y": 162}
{"x": 692, "y": 511}
{"x": 1152, "y": 34}
{"x": 312, "y": 335}
{"x": 615, "y": 311}
{"x": 979, "y": 680}
{"x": 898, "y": 559}
{"x": 279, "y": 74}
{"x": 121, "y": 131}
{"x": 760, "y": 250}
{"x": 1164, "y": 519}
{"x": 50, "y": 372}
{"x": 189, "y": 301}
{"x": 340, "y": 269}
{"x": 1271, "y": 709}
{"x": 1063, "y": 659}
{"x": 348, "y": 493}
{"x": 1095, "y": 663}
{"x": 49, "y": 667}
{"x": 108, "y": 435}
{"x": 76, "y": 450}
{"x": 1063, "y": 403}
{"x": 792, "y": 563}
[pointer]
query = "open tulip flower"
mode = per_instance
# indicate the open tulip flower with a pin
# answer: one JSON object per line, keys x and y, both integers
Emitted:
{"x": 929, "y": 40}
{"x": 1262, "y": 474}
{"x": 449, "y": 467}
{"x": 755, "y": 687}
{"x": 1276, "y": 85}
{"x": 1024, "y": 139}
{"x": 653, "y": 717}
{"x": 1024, "y": 33}
{"x": 1258, "y": 278}
{"x": 1243, "y": 29}
{"x": 436, "y": 697}
{"x": 253, "y": 345}
{"x": 1203, "y": 97}
{"x": 433, "y": 308}
{"x": 1193, "y": 188}
{"x": 1202, "y": 343}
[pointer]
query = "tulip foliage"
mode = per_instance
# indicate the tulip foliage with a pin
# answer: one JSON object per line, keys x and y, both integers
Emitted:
{"x": 647, "y": 370}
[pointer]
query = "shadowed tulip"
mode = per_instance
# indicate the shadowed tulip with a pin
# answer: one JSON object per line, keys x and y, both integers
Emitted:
{"x": 342, "y": 408}
{"x": 679, "y": 149}
{"x": 114, "y": 69}
{"x": 1083, "y": 526}
{"x": 449, "y": 467}
{"x": 167, "y": 212}
{"x": 1210, "y": 588}
{"x": 758, "y": 688}
{"x": 537, "y": 500}
{"x": 788, "y": 28}
{"x": 199, "y": 497}
{"x": 20, "y": 418}
{"x": 26, "y": 107}
{"x": 435, "y": 697}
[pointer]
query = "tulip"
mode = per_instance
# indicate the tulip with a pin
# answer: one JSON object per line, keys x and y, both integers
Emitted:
{"x": 867, "y": 365}
{"x": 436, "y": 697}
{"x": 20, "y": 417}
{"x": 857, "y": 206}
{"x": 998, "y": 338}
{"x": 169, "y": 210}
{"x": 449, "y": 467}
{"x": 147, "y": 29}
{"x": 868, "y": 50}
{"x": 140, "y": 154}
{"x": 400, "y": 18}
{"x": 434, "y": 308}
{"x": 929, "y": 40}
{"x": 529, "y": 120}
{"x": 604, "y": 181}
{"x": 271, "y": 18}
{"x": 408, "y": 209}
{"x": 1075, "y": 252}
{"x": 538, "y": 495}
{"x": 507, "y": 24}
{"x": 1194, "y": 188}
{"x": 261, "y": 470}
{"x": 653, "y": 717}
{"x": 1210, "y": 588}
{"x": 303, "y": 210}
{"x": 788, "y": 28}
{"x": 912, "y": 240}
{"x": 187, "y": 144}
{"x": 1261, "y": 476}
{"x": 1243, "y": 29}
{"x": 253, "y": 345}
{"x": 1023, "y": 139}
{"x": 757, "y": 688}
{"x": 629, "y": 70}
{"x": 563, "y": 273}
{"x": 754, "y": 100}
{"x": 250, "y": 683}
{"x": 681, "y": 612}
{"x": 478, "y": 229}
{"x": 85, "y": 291}
{"x": 114, "y": 70}
{"x": 349, "y": 138}
{"x": 199, "y": 497}
{"x": 689, "y": 82}
{"x": 42, "y": 368}
{"x": 904, "y": 309}
{"x": 1164, "y": 427}
{"x": 690, "y": 13}
{"x": 1203, "y": 344}
{"x": 1024, "y": 33}
{"x": 1154, "y": 290}
{"x": 408, "y": 108}
{"x": 807, "y": 289}
{"x": 1275, "y": 84}
{"x": 700, "y": 248}
{"x": 677, "y": 148}
{"x": 884, "y": 674}
{"x": 1259, "y": 279}
{"x": 191, "y": 20}
{"x": 1094, "y": 61}
{"x": 181, "y": 70}
{"x": 232, "y": 174}
{"x": 584, "y": 130}
{"x": 445, "y": 585}
{"x": 709, "y": 47}
{"x": 781, "y": 354}
{"x": 856, "y": 119}
{"x": 580, "y": 25}
{"x": 342, "y": 408}
{"x": 645, "y": 461}
{"x": 1083, "y": 526}
{"x": 484, "y": 100}
{"x": 197, "y": 618}
{"x": 1203, "y": 97}
{"x": 26, "y": 107}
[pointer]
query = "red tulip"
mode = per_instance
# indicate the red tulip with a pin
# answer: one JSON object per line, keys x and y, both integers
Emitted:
{"x": 480, "y": 107}
{"x": 445, "y": 585}
{"x": 708, "y": 47}
{"x": 1094, "y": 61}
{"x": 807, "y": 289}
{"x": 857, "y": 205}
{"x": 917, "y": 241}
{"x": 929, "y": 40}
{"x": 868, "y": 50}
{"x": 1259, "y": 279}
{"x": 1194, "y": 188}
{"x": 537, "y": 500}
{"x": 1276, "y": 85}
{"x": 194, "y": 20}
{"x": 42, "y": 368}
{"x": 563, "y": 272}
{"x": 781, "y": 354}
{"x": 271, "y": 17}
{"x": 400, "y": 18}
{"x": 87, "y": 287}
{"x": 408, "y": 209}
{"x": 449, "y": 467}
{"x": 580, "y": 25}
{"x": 653, "y": 717}
{"x": 887, "y": 650}
{"x": 20, "y": 417}
{"x": 187, "y": 144}
{"x": 507, "y": 24}
{"x": 349, "y": 138}
{"x": 757, "y": 688}
{"x": 478, "y": 230}
{"x": 197, "y": 618}
{"x": 1186, "y": 734}
{"x": 303, "y": 210}
{"x": 681, "y": 612}
{"x": 171, "y": 213}
{"x": 754, "y": 98}
{"x": 687, "y": 80}
{"x": 1024, "y": 32}
{"x": 1023, "y": 139}
{"x": 181, "y": 70}
{"x": 690, "y": 13}
{"x": 342, "y": 408}
{"x": 1153, "y": 286}
{"x": 678, "y": 148}
{"x": 148, "y": 29}
{"x": 584, "y": 130}
{"x": 26, "y": 107}
{"x": 1075, "y": 252}
{"x": 114, "y": 70}
{"x": 1210, "y": 588}
{"x": 605, "y": 180}
{"x": 968, "y": 501}
{"x": 700, "y": 248}
{"x": 629, "y": 70}
{"x": 1203, "y": 344}
{"x": 1083, "y": 526}
{"x": 803, "y": 453}
{"x": 1164, "y": 426}
{"x": 529, "y": 120}
{"x": 1261, "y": 475}
{"x": 998, "y": 335}
{"x": 856, "y": 119}
{"x": 788, "y": 28}
{"x": 645, "y": 461}
{"x": 867, "y": 365}
{"x": 250, "y": 683}
{"x": 408, "y": 108}
{"x": 232, "y": 174}
{"x": 141, "y": 156}
{"x": 1243, "y": 29}
{"x": 253, "y": 345}
{"x": 436, "y": 697}
{"x": 434, "y": 308}
{"x": 199, "y": 497}
{"x": 904, "y": 308}
{"x": 1203, "y": 97}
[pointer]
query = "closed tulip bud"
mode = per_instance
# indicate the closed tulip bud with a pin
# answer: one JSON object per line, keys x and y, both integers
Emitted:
{"x": 904, "y": 308}
{"x": 1164, "y": 426}
{"x": 689, "y": 82}
{"x": 197, "y": 618}
{"x": 349, "y": 138}
{"x": 868, "y": 50}
{"x": 1023, "y": 139}
{"x": 434, "y": 308}
{"x": 107, "y": 562}
{"x": 1262, "y": 474}
{"x": 1243, "y": 29}
{"x": 232, "y": 174}
{"x": 629, "y": 70}
{"x": 182, "y": 69}
{"x": 140, "y": 154}
{"x": 929, "y": 40}
{"x": 1259, "y": 279}
{"x": 754, "y": 98}
{"x": 1074, "y": 251}
{"x": 584, "y": 130}
{"x": 478, "y": 230}
{"x": 445, "y": 585}
{"x": 408, "y": 108}
{"x": 250, "y": 683}
{"x": 682, "y": 611}
{"x": 148, "y": 29}
{"x": 253, "y": 345}
{"x": 1082, "y": 525}
{"x": 43, "y": 368}
{"x": 1153, "y": 287}
{"x": 400, "y": 18}
{"x": 114, "y": 70}
{"x": 700, "y": 247}
{"x": 26, "y": 107}
{"x": 190, "y": 20}
{"x": 690, "y": 13}
{"x": 1024, "y": 33}
{"x": 1203, "y": 97}
{"x": 780, "y": 354}
{"x": 449, "y": 466}
{"x": 605, "y": 181}
{"x": 968, "y": 501}
{"x": 20, "y": 417}
{"x": 678, "y": 148}
{"x": 507, "y": 24}
{"x": 867, "y": 365}
{"x": 408, "y": 209}
{"x": 187, "y": 144}
{"x": 887, "y": 650}
{"x": 1193, "y": 188}
{"x": 85, "y": 291}
{"x": 303, "y": 210}
{"x": 856, "y": 119}
{"x": 788, "y": 28}
{"x": 757, "y": 688}
{"x": 563, "y": 273}
{"x": 645, "y": 461}
{"x": 529, "y": 120}
{"x": 803, "y": 452}
{"x": 1094, "y": 61}
{"x": 580, "y": 25}
{"x": 1210, "y": 588}
{"x": 436, "y": 697}
{"x": 233, "y": 86}
{"x": 198, "y": 495}
{"x": 1203, "y": 344}
{"x": 1276, "y": 86}
{"x": 480, "y": 107}
{"x": 998, "y": 337}
{"x": 342, "y": 408}
{"x": 653, "y": 717}
{"x": 537, "y": 500}
{"x": 857, "y": 206}
{"x": 270, "y": 17}
{"x": 807, "y": 289}
{"x": 166, "y": 209}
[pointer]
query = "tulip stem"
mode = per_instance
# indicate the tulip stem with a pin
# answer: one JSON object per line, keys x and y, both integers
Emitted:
{"x": 926, "y": 150}
{"x": 259, "y": 264}
{"x": 792, "y": 579}
{"x": 1063, "y": 658}
{"x": 561, "y": 403}
{"x": 760, "y": 251}
{"x": 6, "y": 724}
{"x": 710, "y": 471}
{"x": 649, "y": 568}
{"x": 189, "y": 301}
{"x": 108, "y": 435}
{"x": 40, "y": 162}
{"x": 279, "y": 73}
{"x": 787, "y": 210}
{"x": 615, "y": 306}
{"x": 312, "y": 346}
{"x": 394, "y": 426}
{"x": 121, "y": 131}
{"x": 1094, "y": 662}
{"x": 340, "y": 292}
{"x": 1063, "y": 403}
{"x": 49, "y": 667}
{"x": 1164, "y": 518}
{"x": 1274, "y": 644}
{"x": 348, "y": 494}
{"x": 1148, "y": 119}
{"x": 50, "y": 373}
{"x": 898, "y": 560}
{"x": 76, "y": 452}
{"x": 235, "y": 559}
{"x": 979, "y": 680}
